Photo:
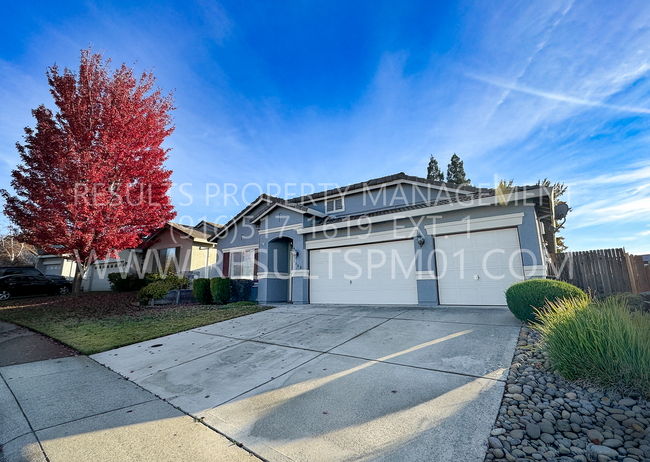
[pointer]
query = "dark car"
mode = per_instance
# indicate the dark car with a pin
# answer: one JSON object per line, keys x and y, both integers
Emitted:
{"x": 64, "y": 285}
{"x": 24, "y": 286}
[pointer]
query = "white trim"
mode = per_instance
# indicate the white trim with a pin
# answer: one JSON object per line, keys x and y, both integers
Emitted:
{"x": 517, "y": 198}
{"x": 532, "y": 271}
{"x": 222, "y": 231}
{"x": 371, "y": 238}
{"x": 342, "y": 193}
{"x": 280, "y": 229}
{"x": 287, "y": 207}
{"x": 243, "y": 248}
{"x": 475, "y": 224}
{"x": 425, "y": 275}
{"x": 300, "y": 273}
{"x": 342, "y": 209}
{"x": 272, "y": 275}
{"x": 250, "y": 278}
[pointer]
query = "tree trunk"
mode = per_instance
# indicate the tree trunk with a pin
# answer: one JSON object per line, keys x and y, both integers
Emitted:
{"x": 78, "y": 278}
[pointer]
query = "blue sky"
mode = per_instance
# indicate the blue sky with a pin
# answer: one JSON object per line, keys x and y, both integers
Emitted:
{"x": 340, "y": 92}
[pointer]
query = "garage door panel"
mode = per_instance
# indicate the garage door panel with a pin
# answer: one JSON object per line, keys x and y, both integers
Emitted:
{"x": 375, "y": 280}
{"x": 489, "y": 263}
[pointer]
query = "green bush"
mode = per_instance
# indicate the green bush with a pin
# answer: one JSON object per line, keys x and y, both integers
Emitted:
{"x": 128, "y": 283}
{"x": 241, "y": 290}
{"x": 220, "y": 289}
{"x": 633, "y": 301}
{"x": 524, "y": 297}
{"x": 157, "y": 289}
{"x": 161, "y": 285}
{"x": 201, "y": 291}
{"x": 599, "y": 341}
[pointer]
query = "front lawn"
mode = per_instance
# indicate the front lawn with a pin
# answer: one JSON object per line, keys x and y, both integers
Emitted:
{"x": 97, "y": 322}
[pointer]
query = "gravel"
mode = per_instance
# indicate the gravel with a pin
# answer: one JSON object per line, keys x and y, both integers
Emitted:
{"x": 545, "y": 418}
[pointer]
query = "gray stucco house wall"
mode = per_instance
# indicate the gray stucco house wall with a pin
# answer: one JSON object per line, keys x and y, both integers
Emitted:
{"x": 362, "y": 218}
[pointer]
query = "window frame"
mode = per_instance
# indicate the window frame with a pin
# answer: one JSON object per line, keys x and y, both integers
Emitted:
{"x": 242, "y": 263}
{"x": 333, "y": 201}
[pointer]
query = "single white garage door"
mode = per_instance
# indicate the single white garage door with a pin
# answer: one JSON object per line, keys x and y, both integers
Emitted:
{"x": 370, "y": 274}
{"x": 477, "y": 268}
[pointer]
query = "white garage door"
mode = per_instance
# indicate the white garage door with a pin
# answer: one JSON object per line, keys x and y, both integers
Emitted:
{"x": 477, "y": 268}
{"x": 53, "y": 270}
{"x": 370, "y": 274}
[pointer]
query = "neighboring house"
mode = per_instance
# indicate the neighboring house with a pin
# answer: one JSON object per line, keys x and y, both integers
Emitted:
{"x": 185, "y": 248}
{"x": 394, "y": 240}
{"x": 646, "y": 259}
{"x": 181, "y": 247}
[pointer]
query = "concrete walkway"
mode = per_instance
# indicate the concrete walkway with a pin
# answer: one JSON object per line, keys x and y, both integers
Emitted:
{"x": 73, "y": 409}
{"x": 338, "y": 383}
{"x": 19, "y": 345}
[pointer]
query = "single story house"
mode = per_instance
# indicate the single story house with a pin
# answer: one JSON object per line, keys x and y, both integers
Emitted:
{"x": 184, "y": 248}
{"x": 392, "y": 240}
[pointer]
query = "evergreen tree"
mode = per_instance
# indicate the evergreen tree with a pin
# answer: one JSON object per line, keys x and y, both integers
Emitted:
{"x": 558, "y": 190}
{"x": 433, "y": 171}
{"x": 456, "y": 171}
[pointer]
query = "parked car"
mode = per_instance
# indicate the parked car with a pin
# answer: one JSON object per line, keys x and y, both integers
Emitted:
{"x": 64, "y": 285}
{"x": 21, "y": 286}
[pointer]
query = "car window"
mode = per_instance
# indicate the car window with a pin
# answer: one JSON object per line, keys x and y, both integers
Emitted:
{"x": 40, "y": 279}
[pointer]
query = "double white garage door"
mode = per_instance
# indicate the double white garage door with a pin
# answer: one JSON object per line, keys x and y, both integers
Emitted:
{"x": 472, "y": 269}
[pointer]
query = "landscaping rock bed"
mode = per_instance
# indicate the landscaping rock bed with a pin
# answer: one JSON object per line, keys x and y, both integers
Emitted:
{"x": 543, "y": 417}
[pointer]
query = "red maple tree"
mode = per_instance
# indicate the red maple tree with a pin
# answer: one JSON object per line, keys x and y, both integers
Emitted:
{"x": 92, "y": 180}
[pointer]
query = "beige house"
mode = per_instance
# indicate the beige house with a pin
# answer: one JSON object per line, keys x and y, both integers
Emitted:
{"x": 182, "y": 247}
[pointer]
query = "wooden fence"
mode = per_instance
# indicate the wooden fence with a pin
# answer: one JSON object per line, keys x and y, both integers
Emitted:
{"x": 602, "y": 272}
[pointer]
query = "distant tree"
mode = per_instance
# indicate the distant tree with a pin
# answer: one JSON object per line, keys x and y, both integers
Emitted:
{"x": 15, "y": 253}
{"x": 558, "y": 191}
{"x": 433, "y": 171}
{"x": 92, "y": 180}
{"x": 456, "y": 171}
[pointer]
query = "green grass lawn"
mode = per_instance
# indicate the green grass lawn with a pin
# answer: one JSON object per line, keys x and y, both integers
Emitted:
{"x": 97, "y": 322}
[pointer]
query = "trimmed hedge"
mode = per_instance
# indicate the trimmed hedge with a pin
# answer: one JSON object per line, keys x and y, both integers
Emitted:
{"x": 525, "y": 297}
{"x": 201, "y": 291}
{"x": 220, "y": 289}
{"x": 241, "y": 290}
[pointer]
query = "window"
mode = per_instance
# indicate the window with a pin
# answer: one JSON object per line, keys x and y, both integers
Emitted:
{"x": 242, "y": 264}
{"x": 169, "y": 258}
{"x": 335, "y": 205}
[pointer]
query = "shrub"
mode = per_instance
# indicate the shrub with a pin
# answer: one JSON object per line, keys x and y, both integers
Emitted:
{"x": 220, "y": 289}
{"x": 125, "y": 284}
{"x": 201, "y": 291}
{"x": 241, "y": 290}
{"x": 157, "y": 289}
{"x": 161, "y": 285}
{"x": 524, "y": 297}
{"x": 633, "y": 301}
{"x": 600, "y": 341}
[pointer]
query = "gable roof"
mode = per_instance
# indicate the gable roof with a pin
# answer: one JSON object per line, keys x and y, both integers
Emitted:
{"x": 261, "y": 198}
{"x": 193, "y": 232}
{"x": 396, "y": 178}
{"x": 289, "y": 206}
{"x": 478, "y": 197}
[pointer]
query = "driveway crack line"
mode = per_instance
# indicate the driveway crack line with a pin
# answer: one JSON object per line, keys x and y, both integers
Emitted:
{"x": 25, "y": 416}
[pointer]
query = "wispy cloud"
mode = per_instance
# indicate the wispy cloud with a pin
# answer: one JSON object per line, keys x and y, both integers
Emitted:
{"x": 557, "y": 96}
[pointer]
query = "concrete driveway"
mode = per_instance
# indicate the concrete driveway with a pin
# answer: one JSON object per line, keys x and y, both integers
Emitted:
{"x": 338, "y": 383}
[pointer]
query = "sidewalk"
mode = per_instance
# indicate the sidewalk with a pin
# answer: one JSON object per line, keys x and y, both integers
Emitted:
{"x": 74, "y": 409}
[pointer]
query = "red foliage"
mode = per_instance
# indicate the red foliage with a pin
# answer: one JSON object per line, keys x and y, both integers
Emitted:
{"x": 92, "y": 179}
